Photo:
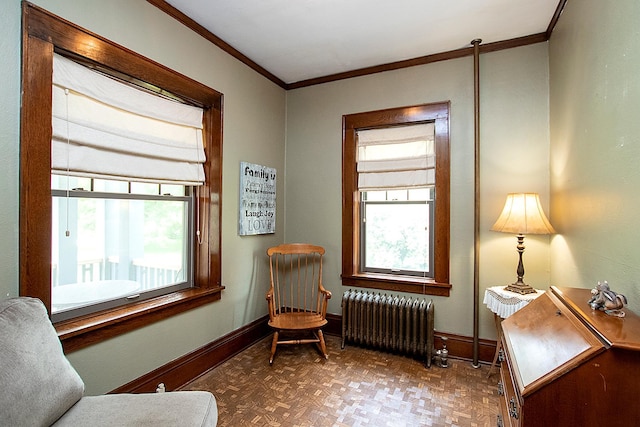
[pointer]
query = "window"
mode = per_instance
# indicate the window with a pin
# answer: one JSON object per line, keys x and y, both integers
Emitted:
{"x": 129, "y": 237}
{"x": 45, "y": 199}
{"x": 397, "y": 231}
{"x": 396, "y": 199}
{"x": 114, "y": 242}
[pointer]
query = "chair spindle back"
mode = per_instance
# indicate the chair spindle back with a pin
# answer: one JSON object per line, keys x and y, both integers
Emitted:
{"x": 296, "y": 277}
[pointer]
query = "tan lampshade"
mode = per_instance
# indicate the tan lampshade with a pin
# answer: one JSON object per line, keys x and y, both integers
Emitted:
{"x": 523, "y": 214}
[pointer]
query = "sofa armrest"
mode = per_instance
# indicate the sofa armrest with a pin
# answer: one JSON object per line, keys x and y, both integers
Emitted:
{"x": 37, "y": 381}
{"x": 177, "y": 408}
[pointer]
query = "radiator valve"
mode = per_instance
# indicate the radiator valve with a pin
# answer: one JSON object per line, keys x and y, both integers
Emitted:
{"x": 442, "y": 355}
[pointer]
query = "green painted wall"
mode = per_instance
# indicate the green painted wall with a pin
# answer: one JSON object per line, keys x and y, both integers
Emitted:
{"x": 514, "y": 158}
{"x": 9, "y": 147}
{"x": 595, "y": 146}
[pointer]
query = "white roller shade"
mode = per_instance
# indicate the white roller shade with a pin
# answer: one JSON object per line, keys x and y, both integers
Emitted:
{"x": 108, "y": 129}
{"x": 395, "y": 157}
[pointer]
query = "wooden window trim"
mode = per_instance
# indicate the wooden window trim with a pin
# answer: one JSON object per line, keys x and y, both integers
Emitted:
{"x": 44, "y": 33}
{"x": 351, "y": 275}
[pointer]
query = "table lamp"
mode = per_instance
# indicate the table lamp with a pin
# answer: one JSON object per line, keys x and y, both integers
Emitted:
{"x": 522, "y": 214}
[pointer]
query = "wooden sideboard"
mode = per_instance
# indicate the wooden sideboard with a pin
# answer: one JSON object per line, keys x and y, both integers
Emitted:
{"x": 565, "y": 364}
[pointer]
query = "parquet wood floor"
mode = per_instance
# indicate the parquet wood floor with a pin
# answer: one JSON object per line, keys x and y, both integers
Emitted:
{"x": 354, "y": 387}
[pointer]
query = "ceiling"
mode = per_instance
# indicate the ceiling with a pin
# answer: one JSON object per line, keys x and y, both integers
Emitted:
{"x": 300, "y": 40}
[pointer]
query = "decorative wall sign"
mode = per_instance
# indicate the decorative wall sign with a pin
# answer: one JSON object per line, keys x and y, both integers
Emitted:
{"x": 257, "y": 205}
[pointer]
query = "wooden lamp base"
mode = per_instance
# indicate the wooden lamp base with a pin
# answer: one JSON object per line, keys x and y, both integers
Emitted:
{"x": 520, "y": 288}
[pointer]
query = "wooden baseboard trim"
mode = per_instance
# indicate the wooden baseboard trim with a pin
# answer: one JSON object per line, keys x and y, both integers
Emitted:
{"x": 185, "y": 369}
{"x": 334, "y": 327}
{"x": 461, "y": 347}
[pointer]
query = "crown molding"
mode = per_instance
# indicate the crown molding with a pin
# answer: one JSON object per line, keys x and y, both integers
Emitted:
{"x": 422, "y": 60}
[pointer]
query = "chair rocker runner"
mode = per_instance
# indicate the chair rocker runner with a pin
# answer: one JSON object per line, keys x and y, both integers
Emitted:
{"x": 296, "y": 298}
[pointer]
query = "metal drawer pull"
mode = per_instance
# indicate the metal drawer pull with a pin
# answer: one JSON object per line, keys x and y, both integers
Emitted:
{"x": 501, "y": 356}
{"x": 500, "y": 423}
{"x": 513, "y": 408}
{"x": 500, "y": 388}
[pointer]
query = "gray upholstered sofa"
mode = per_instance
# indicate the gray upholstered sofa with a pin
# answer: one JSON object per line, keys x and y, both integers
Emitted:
{"x": 39, "y": 387}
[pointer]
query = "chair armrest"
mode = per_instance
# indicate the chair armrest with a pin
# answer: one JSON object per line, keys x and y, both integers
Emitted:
{"x": 326, "y": 293}
{"x": 271, "y": 303}
{"x": 326, "y": 297}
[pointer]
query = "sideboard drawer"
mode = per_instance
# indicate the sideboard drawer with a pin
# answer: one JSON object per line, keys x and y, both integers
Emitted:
{"x": 509, "y": 401}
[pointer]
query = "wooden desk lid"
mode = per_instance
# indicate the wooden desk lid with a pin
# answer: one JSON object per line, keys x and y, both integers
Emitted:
{"x": 617, "y": 332}
{"x": 545, "y": 340}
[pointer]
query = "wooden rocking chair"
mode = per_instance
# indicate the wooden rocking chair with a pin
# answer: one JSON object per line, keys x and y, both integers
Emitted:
{"x": 296, "y": 298}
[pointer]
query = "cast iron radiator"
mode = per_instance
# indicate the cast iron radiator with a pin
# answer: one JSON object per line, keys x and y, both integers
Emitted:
{"x": 386, "y": 322}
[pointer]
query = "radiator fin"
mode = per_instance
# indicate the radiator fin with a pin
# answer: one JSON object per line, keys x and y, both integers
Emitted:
{"x": 386, "y": 322}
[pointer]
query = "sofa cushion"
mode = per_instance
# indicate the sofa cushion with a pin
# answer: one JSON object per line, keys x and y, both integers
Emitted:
{"x": 178, "y": 408}
{"x": 37, "y": 381}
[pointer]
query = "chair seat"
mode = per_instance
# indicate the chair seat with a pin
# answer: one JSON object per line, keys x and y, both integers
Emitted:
{"x": 298, "y": 321}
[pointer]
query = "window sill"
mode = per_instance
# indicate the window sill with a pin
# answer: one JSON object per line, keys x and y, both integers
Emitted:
{"x": 410, "y": 284}
{"x": 91, "y": 329}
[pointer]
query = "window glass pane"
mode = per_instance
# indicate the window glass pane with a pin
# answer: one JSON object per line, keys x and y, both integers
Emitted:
{"x": 173, "y": 189}
{"x": 397, "y": 236}
{"x": 115, "y": 248}
{"x": 421, "y": 194}
{"x": 376, "y": 196}
{"x": 144, "y": 188}
{"x": 110, "y": 186}
{"x": 59, "y": 182}
{"x": 400, "y": 195}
